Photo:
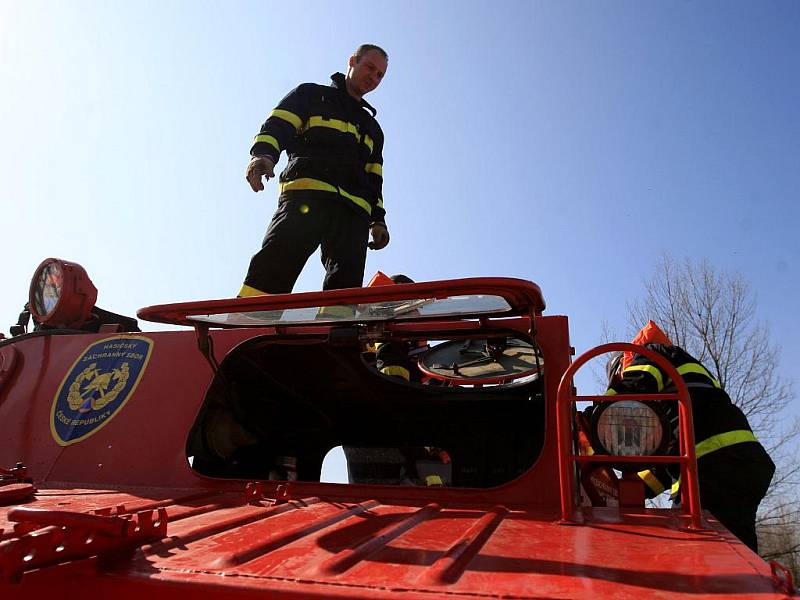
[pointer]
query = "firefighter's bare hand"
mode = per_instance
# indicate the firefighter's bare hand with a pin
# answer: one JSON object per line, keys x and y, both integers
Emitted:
{"x": 258, "y": 167}
{"x": 380, "y": 236}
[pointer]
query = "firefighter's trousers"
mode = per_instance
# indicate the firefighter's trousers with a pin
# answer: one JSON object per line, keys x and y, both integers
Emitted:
{"x": 299, "y": 226}
{"x": 733, "y": 481}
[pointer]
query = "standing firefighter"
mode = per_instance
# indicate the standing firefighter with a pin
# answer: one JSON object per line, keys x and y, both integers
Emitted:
{"x": 734, "y": 470}
{"x": 330, "y": 191}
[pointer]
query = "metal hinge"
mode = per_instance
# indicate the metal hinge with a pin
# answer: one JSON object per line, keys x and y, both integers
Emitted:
{"x": 51, "y": 537}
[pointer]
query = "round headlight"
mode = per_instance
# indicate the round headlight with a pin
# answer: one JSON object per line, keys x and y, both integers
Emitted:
{"x": 61, "y": 294}
{"x": 628, "y": 428}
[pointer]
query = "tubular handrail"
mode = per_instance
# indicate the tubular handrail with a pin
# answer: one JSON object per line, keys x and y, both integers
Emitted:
{"x": 690, "y": 491}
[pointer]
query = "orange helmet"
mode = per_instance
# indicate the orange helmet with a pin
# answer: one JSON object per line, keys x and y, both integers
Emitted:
{"x": 649, "y": 334}
{"x": 381, "y": 278}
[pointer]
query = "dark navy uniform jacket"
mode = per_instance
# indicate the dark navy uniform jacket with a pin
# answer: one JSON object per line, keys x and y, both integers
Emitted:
{"x": 334, "y": 145}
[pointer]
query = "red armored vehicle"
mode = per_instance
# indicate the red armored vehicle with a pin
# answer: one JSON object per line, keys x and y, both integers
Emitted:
{"x": 186, "y": 463}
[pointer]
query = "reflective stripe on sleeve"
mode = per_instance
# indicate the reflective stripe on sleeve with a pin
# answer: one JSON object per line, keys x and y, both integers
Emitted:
{"x": 289, "y": 117}
{"x": 306, "y": 183}
{"x": 651, "y": 481}
{"x": 375, "y": 168}
{"x": 368, "y": 142}
{"x": 651, "y": 370}
{"x": 698, "y": 369}
{"x": 263, "y": 137}
{"x": 610, "y": 392}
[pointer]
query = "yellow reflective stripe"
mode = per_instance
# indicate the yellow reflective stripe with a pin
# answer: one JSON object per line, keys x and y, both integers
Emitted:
{"x": 337, "y": 310}
{"x": 699, "y": 370}
{"x": 434, "y": 480}
{"x": 716, "y": 442}
{"x": 247, "y": 292}
{"x": 675, "y": 487}
{"x": 648, "y": 369}
{"x": 290, "y": 117}
{"x": 721, "y": 440}
{"x": 306, "y": 183}
{"x": 380, "y": 203}
{"x": 610, "y": 392}
{"x": 263, "y": 137}
{"x": 369, "y": 143}
{"x": 397, "y": 371}
{"x": 338, "y": 125}
{"x": 374, "y": 168}
{"x": 652, "y": 481}
{"x": 360, "y": 201}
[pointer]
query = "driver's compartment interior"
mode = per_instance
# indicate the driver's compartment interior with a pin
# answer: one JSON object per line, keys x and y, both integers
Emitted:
{"x": 279, "y": 404}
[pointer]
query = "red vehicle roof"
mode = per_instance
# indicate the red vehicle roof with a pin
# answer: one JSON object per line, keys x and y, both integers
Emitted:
{"x": 118, "y": 510}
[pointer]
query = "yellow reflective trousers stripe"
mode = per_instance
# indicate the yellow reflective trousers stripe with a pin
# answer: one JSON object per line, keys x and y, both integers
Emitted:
{"x": 263, "y": 137}
{"x": 648, "y": 369}
{"x": 306, "y": 183}
{"x": 247, "y": 292}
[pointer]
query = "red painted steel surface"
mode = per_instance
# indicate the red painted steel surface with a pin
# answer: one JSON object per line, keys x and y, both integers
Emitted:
{"x": 152, "y": 527}
{"x": 217, "y": 544}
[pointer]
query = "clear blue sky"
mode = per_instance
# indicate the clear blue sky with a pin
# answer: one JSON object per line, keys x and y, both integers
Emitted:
{"x": 569, "y": 143}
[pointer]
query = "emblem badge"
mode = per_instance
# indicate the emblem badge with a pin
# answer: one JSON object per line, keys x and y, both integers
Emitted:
{"x": 97, "y": 386}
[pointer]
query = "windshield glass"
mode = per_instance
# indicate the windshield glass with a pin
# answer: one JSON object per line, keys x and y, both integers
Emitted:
{"x": 451, "y": 306}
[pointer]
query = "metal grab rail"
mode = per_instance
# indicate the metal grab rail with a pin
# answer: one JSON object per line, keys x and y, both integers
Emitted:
{"x": 690, "y": 491}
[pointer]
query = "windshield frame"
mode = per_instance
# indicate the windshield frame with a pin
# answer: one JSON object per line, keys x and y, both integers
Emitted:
{"x": 522, "y": 298}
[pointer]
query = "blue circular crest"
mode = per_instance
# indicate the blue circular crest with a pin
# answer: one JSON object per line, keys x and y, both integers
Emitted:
{"x": 97, "y": 386}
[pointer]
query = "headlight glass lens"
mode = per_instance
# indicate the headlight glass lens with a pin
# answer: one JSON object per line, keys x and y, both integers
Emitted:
{"x": 48, "y": 288}
{"x": 629, "y": 428}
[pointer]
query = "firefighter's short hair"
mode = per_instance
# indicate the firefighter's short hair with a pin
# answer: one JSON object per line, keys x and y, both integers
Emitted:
{"x": 364, "y": 48}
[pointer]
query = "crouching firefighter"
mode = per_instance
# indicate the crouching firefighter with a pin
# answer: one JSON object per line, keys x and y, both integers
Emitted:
{"x": 734, "y": 469}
